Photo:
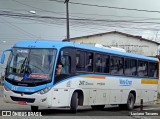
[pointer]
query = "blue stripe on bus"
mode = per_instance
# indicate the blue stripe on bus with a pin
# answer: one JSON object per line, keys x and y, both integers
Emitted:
{"x": 26, "y": 89}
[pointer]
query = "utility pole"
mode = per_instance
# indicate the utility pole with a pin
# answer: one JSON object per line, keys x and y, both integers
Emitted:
{"x": 67, "y": 19}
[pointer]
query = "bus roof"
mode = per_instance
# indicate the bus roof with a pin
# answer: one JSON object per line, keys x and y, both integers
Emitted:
{"x": 59, "y": 44}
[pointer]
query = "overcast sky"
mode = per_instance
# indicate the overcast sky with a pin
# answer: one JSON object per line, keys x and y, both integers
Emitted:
{"x": 44, "y": 19}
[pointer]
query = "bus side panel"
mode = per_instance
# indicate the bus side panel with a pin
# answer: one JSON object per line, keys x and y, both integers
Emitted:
{"x": 102, "y": 97}
{"x": 60, "y": 97}
{"x": 92, "y": 96}
{"x": 125, "y": 93}
{"x": 138, "y": 96}
{"x": 86, "y": 94}
{"x": 115, "y": 97}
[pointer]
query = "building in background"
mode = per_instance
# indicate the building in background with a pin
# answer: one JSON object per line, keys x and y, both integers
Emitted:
{"x": 131, "y": 43}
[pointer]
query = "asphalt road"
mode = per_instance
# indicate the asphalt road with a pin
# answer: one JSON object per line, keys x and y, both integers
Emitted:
{"x": 110, "y": 112}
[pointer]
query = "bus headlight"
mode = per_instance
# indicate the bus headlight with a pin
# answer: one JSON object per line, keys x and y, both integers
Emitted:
{"x": 6, "y": 88}
{"x": 44, "y": 90}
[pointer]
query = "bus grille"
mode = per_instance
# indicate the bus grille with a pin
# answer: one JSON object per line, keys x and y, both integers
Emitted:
{"x": 29, "y": 100}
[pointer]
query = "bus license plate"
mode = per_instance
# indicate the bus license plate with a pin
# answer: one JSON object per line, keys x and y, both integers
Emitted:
{"x": 22, "y": 102}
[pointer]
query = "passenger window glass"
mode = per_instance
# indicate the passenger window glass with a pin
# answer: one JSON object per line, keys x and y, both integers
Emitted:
{"x": 142, "y": 69}
{"x": 133, "y": 64}
{"x": 127, "y": 70}
{"x": 153, "y": 72}
{"x": 117, "y": 65}
{"x": 89, "y": 62}
{"x": 130, "y": 67}
{"x": 66, "y": 62}
{"x": 105, "y": 64}
{"x": 98, "y": 67}
{"x": 80, "y": 61}
{"x": 64, "y": 65}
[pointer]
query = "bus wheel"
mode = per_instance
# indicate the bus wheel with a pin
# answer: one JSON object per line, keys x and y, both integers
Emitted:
{"x": 130, "y": 101}
{"x": 74, "y": 102}
{"x": 34, "y": 108}
{"x": 98, "y": 107}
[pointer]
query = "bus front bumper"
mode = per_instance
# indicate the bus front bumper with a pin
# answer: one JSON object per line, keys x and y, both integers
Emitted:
{"x": 34, "y": 99}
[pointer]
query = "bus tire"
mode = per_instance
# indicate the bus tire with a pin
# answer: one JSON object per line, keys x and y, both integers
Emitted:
{"x": 74, "y": 102}
{"x": 130, "y": 101}
{"x": 97, "y": 107}
{"x": 34, "y": 108}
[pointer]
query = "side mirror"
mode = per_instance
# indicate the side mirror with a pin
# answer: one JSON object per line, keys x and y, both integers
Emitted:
{"x": 2, "y": 58}
{"x": 3, "y": 55}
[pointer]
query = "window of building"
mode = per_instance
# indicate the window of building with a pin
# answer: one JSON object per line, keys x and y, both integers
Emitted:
{"x": 142, "y": 68}
{"x": 153, "y": 70}
{"x": 117, "y": 64}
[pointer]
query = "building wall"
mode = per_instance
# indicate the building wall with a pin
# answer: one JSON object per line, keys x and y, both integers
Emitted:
{"x": 130, "y": 44}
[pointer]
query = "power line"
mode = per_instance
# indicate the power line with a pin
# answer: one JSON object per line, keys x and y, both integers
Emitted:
{"x": 40, "y": 9}
{"x": 101, "y": 26}
{"x": 72, "y": 14}
{"x": 81, "y": 23}
{"x": 18, "y": 28}
{"x": 74, "y": 19}
{"x": 105, "y": 6}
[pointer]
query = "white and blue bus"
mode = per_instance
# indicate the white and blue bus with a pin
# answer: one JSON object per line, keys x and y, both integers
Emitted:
{"x": 90, "y": 76}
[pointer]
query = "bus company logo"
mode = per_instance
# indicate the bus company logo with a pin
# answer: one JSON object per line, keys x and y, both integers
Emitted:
{"x": 125, "y": 82}
{"x": 81, "y": 82}
{"x": 85, "y": 83}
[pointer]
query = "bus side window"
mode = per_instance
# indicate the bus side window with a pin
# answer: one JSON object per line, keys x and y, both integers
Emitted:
{"x": 80, "y": 62}
{"x": 66, "y": 61}
{"x": 127, "y": 70}
{"x": 113, "y": 65}
{"x": 106, "y": 64}
{"x": 153, "y": 72}
{"x": 89, "y": 62}
{"x": 133, "y": 64}
{"x": 98, "y": 64}
{"x": 142, "y": 68}
{"x": 117, "y": 65}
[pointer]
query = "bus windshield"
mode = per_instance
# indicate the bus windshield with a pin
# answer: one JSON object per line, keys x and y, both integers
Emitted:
{"x": 30, "y": 64}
